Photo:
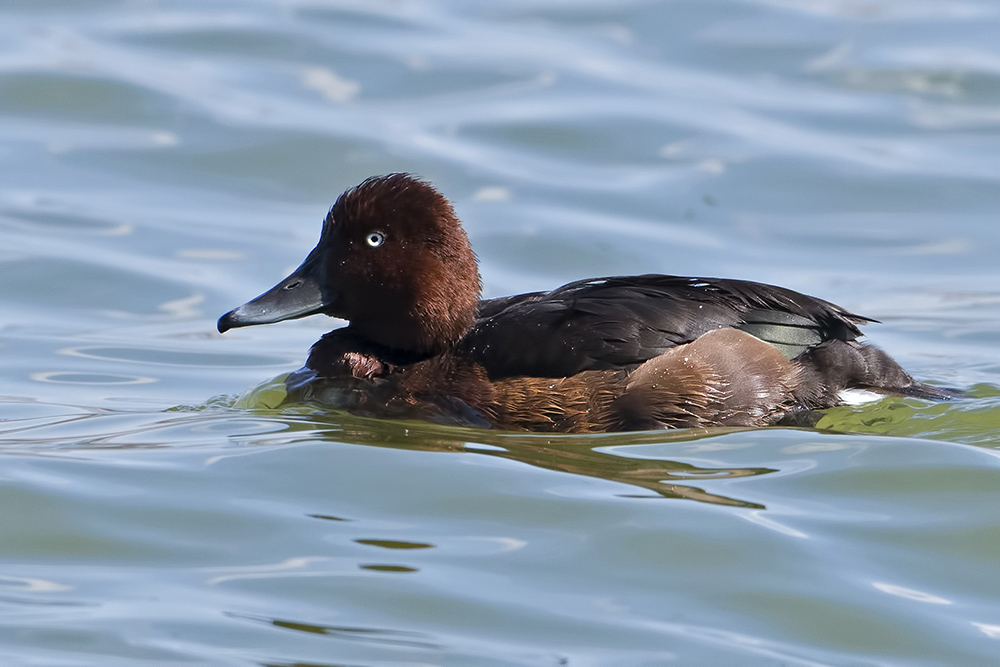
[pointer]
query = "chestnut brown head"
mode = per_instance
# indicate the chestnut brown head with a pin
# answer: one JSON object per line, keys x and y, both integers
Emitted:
{"x": 393, "y": 260}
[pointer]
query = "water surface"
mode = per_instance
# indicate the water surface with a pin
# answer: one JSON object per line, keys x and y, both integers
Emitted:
{"x": 162, "y": 162}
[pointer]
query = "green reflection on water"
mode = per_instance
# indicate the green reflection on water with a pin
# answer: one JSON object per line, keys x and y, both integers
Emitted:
{"x": 974, "y": 421}
{"x": 971, "y": 421}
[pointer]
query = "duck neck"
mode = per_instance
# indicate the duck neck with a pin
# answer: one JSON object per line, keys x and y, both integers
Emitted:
{"x": 425, "y": 317}
{"x": 345, "y": 352}
{"x": 411, "y": 338}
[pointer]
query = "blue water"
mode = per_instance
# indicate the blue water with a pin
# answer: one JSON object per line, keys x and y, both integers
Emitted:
{"x": 163, "y": 161}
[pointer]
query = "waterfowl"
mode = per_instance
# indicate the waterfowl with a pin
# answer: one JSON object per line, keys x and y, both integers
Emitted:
{"x": 598, "y": 355}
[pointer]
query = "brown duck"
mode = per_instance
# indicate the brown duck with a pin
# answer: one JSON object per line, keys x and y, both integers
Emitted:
{"x": 605, "y": 354}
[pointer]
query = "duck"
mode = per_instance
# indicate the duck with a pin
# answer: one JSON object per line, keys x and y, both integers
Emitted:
{"x": 620, "y": 353}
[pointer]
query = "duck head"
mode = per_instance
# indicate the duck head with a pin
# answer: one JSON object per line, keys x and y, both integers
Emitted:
{"x": 393, "y": 260}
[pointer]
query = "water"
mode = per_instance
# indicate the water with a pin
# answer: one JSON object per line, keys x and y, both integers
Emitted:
{"x": 162, "y": 162}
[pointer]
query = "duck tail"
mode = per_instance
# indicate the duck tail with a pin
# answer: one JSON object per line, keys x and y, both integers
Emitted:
{"x": 836, "y": 366}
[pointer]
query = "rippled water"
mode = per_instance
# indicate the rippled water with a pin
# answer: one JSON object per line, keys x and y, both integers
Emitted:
{"x": 162, "y": 162}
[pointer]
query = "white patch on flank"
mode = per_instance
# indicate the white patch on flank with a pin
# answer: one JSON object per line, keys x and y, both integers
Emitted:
{"x": 857, "y": 396}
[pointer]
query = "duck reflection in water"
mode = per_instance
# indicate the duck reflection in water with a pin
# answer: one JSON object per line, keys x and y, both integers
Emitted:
{"x": 631, "y": 460}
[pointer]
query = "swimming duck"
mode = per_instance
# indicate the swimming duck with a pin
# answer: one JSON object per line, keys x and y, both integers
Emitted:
{"x": 598, "y": 355}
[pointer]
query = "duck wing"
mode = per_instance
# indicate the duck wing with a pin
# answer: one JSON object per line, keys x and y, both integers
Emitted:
{"x": 620, "y": 322}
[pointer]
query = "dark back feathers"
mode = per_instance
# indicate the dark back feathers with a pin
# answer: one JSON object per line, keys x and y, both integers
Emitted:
{"x": 620, "y": 322}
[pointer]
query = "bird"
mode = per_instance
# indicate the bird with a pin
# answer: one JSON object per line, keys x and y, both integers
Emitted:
{"x": 620, "y": 353}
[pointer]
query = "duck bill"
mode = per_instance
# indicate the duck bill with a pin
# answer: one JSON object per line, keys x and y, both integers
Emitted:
{"x": 299, "y": 295}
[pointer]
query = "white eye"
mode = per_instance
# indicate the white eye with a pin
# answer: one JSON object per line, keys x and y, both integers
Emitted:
{"x": 375, "y": 239}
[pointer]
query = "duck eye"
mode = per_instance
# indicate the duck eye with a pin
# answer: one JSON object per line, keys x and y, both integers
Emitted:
{"x": 375, "y": 239}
